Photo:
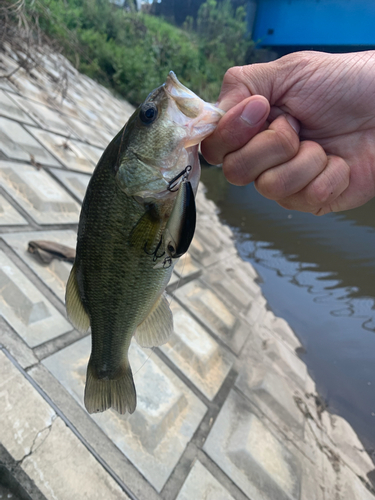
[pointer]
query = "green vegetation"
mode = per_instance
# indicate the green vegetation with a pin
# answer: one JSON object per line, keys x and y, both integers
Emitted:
{"x": 133, "y": 51}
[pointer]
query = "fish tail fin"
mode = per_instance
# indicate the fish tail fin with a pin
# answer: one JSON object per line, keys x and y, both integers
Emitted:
{"x": 117, "y": 393}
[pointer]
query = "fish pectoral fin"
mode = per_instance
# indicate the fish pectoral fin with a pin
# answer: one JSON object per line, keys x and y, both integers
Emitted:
{"x": 144, "y": 233}
{"x": 74, "y": 307}
{"x": 117, "y": 393}
{"x": 156, "y": 329}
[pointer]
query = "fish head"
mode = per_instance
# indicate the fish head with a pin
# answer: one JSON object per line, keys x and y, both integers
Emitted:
{"x": 161, "y": 139}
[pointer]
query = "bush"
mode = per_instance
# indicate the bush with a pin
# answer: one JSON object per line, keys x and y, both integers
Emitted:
{"x": 132, "y": 52}
{"x": 223, "y": 42}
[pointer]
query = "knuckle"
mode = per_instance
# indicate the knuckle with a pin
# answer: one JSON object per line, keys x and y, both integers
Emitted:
{"x": 329, "y": 184}
{"x": 316, "y": 154}
{"x": 319, "y": 192}
{"x": 233, "y": 76}
{"x": 287, "y": 143}
{"x": 236, "y": 169}
{"x": 288, "y": 203}
{"x": 272, "y": 184}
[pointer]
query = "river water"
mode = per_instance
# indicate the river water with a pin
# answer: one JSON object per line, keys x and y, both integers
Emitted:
{"x": 319, "y": 274}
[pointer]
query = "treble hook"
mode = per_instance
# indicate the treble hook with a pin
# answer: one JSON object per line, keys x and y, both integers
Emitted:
{"x": 165, "y": 264}
{"x": 173, "y": 183}
{"x": 155, "y": 252}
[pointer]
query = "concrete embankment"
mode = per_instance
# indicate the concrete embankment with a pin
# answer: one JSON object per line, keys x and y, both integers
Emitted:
{"x": 226, "y": 409}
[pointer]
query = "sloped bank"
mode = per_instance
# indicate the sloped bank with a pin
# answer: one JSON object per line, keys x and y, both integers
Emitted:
{"x": 225, "y": 408}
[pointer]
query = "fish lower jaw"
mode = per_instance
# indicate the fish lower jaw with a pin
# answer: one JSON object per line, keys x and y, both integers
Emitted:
{"x": 200, "y": 132}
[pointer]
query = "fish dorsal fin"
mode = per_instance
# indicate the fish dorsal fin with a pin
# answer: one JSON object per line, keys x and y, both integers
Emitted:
{"x": 156, "y": 329}
{"x": 144, "y": 233}
{"x": 74, "y": 307}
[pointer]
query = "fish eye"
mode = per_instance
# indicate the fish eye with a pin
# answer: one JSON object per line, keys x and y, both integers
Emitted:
{"x": 148, "y": 113}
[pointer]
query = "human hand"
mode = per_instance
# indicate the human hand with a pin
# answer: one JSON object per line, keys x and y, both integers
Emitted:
{"x": 302, "y": 128}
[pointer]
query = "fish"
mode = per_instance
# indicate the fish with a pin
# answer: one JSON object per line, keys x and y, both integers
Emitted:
{"x": 137, "y": 219}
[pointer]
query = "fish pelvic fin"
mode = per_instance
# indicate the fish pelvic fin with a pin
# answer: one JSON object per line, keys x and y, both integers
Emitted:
{"x": 118, "y": 393}
{"x": 74, "y": 307}
{"x": 156, "y": 329}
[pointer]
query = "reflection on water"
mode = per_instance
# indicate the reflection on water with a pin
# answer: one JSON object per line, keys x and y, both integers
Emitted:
{"x": 323, "y": 286}
{"x": 318, "y": 273}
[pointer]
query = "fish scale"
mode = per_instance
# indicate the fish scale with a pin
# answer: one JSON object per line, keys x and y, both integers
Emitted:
{"x": 106, "y": 268}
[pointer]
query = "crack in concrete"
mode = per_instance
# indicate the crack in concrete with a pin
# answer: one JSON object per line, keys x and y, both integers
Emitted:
{"x": 33, "y": 444}
{"x": 303, "y": 408}
{"x": 334, "y": 458}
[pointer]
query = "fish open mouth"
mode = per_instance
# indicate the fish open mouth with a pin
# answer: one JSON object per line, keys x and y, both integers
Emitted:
{"x": 198, "y": 116}
{"x": 196, "y": 119}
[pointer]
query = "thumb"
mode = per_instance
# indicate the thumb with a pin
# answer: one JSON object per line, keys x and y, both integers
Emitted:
{"x": 241, "y": 82}
{"x": 240, "y": 124}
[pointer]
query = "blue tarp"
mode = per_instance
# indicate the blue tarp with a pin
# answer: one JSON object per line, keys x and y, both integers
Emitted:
{"x": 314, "y": 22}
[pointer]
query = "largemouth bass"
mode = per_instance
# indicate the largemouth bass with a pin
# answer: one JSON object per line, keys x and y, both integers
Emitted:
{"x": 137, "y": 218}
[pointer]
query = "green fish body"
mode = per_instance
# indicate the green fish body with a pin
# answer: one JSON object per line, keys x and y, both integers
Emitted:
{"x": 120, "y": 272}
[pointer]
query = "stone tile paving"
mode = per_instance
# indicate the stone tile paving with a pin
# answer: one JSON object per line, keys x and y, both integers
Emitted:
{"x": 8, "y": 215}
{"x": 26, "y": 309}
{"x": 74, "y": 182}
{"x": 55, "y": 274}
{"x": 17, "y": 144}
{"x": 196, "y": 353}
{"x": 10, "y": 109}
{"x": 44, "y": 116}
{"x": 226, "y": 409}
{"x": 167, "y": 414}
{"x": 201, "y": 484}
{"x": 70, "y": 154}
{"x": 35, "y": 436}
{"x": 256, "y": 459}
{"x": 38, "y": 194}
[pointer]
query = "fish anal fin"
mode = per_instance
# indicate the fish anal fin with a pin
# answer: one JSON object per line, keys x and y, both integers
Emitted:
{"x": 156, "y": 329}
{"x": 117, "y": 393}
{"x": 74, "y": 307}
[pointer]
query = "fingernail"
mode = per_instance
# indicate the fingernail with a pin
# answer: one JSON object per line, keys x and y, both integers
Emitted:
{"x": 253, "y": 112}
{"x": 293, "y": 122}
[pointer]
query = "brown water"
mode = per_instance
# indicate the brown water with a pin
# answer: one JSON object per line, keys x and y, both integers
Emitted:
{"x": 319, "y": 274}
